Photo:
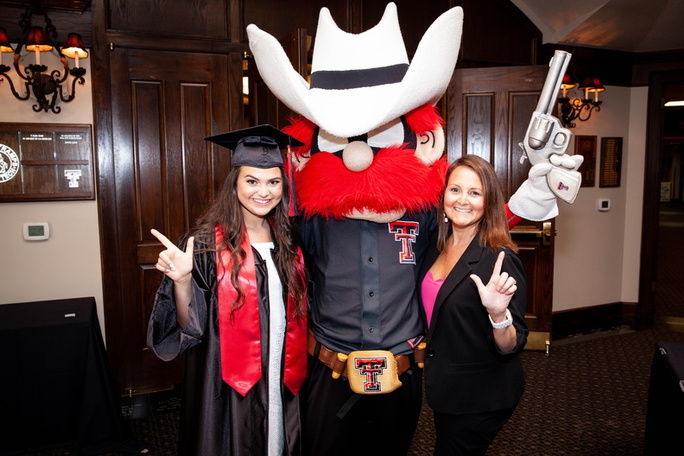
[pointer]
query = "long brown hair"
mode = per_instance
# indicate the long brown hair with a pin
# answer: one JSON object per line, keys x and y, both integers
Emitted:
{"x": 493, "y": 227}
{"x": 226, "y": 212}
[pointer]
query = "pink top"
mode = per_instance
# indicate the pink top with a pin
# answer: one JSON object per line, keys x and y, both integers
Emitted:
{"x": 428, "y": 292}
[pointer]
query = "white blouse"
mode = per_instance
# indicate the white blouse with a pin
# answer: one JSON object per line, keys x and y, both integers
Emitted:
{"x": 277, "y": 325}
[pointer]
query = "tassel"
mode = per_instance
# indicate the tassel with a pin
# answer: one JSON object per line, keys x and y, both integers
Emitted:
{"x": 292, "y": 196}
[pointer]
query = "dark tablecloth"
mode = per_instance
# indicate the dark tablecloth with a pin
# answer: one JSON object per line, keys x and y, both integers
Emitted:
{"x": 665, "y": 411}
{"x": 56, "y": 389}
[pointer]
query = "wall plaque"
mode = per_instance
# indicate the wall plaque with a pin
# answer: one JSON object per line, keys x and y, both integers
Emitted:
{"x": 586, "y": 146}
{"x": 611, "y": 162}
{"x": 44, "y": 162}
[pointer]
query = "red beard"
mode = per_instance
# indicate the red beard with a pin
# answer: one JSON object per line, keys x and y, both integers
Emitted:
{"x": 396, "y": 181}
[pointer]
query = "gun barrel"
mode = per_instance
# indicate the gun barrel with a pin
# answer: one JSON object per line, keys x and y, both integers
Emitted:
{"x": 557, "y": 68}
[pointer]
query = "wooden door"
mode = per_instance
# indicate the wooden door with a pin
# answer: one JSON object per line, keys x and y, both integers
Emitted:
{"x": 488, "y": 111}
{"x": 161, "y": 174}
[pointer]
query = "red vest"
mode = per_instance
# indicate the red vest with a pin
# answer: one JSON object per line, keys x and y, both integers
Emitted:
{"x": 240, "y": 334}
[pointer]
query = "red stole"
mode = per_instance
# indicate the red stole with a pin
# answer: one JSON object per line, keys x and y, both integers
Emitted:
{"x": 240, "y": 334}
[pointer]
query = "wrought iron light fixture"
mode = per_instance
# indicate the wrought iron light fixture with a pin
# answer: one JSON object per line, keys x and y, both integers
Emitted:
{"x": 47, "y": 87}
{"x": 576, "y": 108}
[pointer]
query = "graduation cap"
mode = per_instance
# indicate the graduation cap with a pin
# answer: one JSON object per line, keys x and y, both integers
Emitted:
{"x": 259, "y": 147}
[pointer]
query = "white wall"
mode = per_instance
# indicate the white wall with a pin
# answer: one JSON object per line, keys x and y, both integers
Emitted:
{"x": 597, "y": 253}
{"x": 68, "y": 264}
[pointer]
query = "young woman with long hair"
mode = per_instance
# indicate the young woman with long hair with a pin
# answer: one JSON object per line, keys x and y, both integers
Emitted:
{"x": 233, "y": 299}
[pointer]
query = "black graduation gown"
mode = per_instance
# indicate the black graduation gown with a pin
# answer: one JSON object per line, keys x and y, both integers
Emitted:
{"x": 215, "y": 419}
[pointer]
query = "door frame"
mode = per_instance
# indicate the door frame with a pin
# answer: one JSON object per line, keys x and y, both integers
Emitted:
{"x": 651, "y": 204}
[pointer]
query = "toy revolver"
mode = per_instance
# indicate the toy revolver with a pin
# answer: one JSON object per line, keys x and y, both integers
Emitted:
{"x": 546, "y": 140}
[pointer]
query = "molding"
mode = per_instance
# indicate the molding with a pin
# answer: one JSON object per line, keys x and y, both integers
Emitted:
{"x": 586, "y": 320}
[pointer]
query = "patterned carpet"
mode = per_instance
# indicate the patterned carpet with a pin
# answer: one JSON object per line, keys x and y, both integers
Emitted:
{"x": 587, "y": 397}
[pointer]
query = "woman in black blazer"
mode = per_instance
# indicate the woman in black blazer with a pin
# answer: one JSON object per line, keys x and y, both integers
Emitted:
{"x": 473, "y": 376}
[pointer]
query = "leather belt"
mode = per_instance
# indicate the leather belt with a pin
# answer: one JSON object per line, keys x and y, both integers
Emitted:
{"x": 328, "y": 357}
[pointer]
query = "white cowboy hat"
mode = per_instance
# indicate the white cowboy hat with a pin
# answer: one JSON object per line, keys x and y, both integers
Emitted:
{"x": 361, "y": 81}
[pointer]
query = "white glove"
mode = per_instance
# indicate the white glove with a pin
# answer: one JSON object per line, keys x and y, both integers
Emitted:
{"x": 535, "y": 199}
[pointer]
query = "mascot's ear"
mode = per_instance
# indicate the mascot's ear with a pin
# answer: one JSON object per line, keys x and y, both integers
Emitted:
{"x": 300, "y": 158}
{"x": 430, "y": 145}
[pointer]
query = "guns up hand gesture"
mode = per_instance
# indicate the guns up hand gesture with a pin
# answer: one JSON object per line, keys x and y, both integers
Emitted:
{"x": 174, "y": 262}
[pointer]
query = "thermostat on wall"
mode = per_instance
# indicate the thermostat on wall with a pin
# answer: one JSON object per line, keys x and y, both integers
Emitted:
{"x": 36, "y": 231}
{"x": 603, "y": 205}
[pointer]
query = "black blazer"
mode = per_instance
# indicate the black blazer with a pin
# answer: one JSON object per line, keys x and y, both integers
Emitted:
{"x": 464, "y": 370}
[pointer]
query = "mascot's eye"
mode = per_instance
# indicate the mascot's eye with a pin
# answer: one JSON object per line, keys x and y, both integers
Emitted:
{"x": 394, "y": 133}
{"x": 329, "y": 143}
{"x": 390, "y": 134}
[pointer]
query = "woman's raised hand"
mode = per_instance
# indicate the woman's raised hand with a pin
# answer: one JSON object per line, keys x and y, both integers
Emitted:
{"x": 499, "y": 290}
{"x": 174, "y": 262}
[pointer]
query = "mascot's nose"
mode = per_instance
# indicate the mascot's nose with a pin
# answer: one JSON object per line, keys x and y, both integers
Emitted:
{"x": 357, "y": 156}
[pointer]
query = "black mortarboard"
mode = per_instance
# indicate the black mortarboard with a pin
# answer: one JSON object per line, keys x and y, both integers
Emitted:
{"x": 256, "y": 146}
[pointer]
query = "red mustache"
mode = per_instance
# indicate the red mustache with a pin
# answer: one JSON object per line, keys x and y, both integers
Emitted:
{"x": 396, "y": 181}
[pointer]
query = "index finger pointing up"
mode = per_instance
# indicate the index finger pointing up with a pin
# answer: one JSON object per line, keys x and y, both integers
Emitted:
{"x": 498, "y": 264}
{"x": 163, "y": 239}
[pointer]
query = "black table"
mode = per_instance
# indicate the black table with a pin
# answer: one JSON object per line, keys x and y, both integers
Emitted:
{"x": 665, "y": 411}
{"x": 55, "y": 388}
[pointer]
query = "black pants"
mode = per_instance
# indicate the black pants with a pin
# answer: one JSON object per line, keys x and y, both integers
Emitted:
{"x": 337, "y": 421}
{"x": 468, "y": 434}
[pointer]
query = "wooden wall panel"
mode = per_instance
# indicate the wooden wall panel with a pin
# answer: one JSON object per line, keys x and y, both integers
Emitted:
{"x": 522, "y": 104}
{"x": 496, "y": 32}
{"x": 170, "y": 17}
{"x": 197, "y": 157}
{"x": 65, "y": 22}
{"x": 148, "y": 150}
{"x": 477, "y": 127}
{"x": 280, "y": 18}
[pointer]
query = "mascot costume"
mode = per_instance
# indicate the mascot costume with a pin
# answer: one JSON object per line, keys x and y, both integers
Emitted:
{"x": 367, "y": 181}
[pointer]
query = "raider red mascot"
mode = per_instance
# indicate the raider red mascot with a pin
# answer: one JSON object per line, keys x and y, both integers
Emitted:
{"x": 367, "y": 182}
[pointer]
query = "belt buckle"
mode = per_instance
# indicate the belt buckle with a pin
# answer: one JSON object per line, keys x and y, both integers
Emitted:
{"x": 372, "y": 372}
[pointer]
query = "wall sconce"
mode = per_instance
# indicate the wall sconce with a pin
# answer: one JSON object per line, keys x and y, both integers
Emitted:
{"x": 579, "y": 109}
{"x": 46, "y": 87}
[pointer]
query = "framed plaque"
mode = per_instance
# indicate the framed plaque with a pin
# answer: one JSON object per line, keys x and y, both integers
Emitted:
{"x": 586, "y": 146}
{"x": 44, "y": 162}
{"x": 611, "y": 162}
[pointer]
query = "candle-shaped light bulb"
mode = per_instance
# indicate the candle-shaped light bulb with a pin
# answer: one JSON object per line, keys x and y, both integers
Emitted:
{"x": 37, "y": 41}
{"x": 598, "y": 87}
{"x": 74, "y": 48}
{"x": 4, "y": 43}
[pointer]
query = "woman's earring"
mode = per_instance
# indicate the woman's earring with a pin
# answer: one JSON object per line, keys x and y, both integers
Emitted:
{"x": 446, "y": 219}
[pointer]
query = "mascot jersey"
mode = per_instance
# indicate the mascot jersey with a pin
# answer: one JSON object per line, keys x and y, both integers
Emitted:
{"x": 365, "y": 268}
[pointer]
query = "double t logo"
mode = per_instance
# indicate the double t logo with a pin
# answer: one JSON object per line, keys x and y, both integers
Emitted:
{"x": 406, "y": 233}
{"x": 371, "y": 369}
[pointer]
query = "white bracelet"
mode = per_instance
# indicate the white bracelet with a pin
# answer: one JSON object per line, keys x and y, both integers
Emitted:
{"x": 504, "y": 324}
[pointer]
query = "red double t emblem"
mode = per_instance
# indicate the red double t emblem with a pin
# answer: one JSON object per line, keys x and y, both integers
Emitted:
{"x": 371, "y": 369}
